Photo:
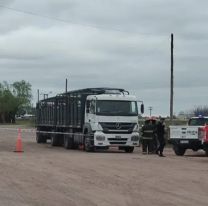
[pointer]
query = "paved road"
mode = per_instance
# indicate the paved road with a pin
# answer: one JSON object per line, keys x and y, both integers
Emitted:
{"x": 52, "y": 176}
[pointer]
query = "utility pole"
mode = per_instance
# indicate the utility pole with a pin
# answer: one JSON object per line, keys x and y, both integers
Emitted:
{"x": 38, "y": 95}
{"x": 171, "y": 83}
{"x": 66, "y": 85}
{"x": 150, "y": 109}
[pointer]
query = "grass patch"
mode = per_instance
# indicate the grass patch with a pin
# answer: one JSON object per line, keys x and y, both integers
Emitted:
{"x": 26, "y": 122}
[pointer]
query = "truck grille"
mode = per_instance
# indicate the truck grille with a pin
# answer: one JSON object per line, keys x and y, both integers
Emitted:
{"x": 117, "y": 128}
{"x": 117, "y": 140}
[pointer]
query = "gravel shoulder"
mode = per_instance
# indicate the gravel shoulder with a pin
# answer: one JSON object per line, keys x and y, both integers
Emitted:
{"x": 50, "y": 176}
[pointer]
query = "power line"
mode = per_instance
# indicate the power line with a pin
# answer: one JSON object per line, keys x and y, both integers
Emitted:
{"x": 36, "y": 14}
{"x": 81, "y": 24}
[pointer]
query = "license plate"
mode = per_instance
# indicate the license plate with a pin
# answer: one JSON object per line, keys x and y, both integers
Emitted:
{"x": 118, "y": 137}
{"x": 184, "y": 141}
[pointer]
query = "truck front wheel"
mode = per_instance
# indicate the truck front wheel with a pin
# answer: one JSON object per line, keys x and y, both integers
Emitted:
{"x": 179, "y": 151}
{"x": 88, "y": 147}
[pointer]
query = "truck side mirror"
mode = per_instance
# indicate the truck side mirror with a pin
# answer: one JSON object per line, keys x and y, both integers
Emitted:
{"x": 142, "y": 108}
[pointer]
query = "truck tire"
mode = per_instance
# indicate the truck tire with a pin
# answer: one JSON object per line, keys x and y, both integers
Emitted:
{"x": 179, "y": 151}
{"x": 129, "y": 149}
{"x": 87, "y": 146}
{"x": 54, "y": 140}
{"x": 206, "y": 152}
{"x": 40, "y": 138}
{"x": 68, "y": 142}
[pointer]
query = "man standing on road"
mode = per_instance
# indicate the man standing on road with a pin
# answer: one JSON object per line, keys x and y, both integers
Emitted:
{"x": 160, "y": 131}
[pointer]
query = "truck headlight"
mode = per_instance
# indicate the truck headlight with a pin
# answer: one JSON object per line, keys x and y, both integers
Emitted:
{"x": 135, "y": 138}
{"x": 136, "y": 128}
{"x": 100, "y": 138}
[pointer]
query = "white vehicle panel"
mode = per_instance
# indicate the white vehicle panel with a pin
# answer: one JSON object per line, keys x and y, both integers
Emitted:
{"x": 117, "y": 97}
{"x": 132, "y": 119}
{"x": 184, "y": 132}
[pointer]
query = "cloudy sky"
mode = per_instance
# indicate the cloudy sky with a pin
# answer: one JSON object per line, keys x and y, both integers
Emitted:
{"x": 108, "y": 43}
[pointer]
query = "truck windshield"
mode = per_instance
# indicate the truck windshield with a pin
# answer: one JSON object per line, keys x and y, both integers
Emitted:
{"x": 198, "y": 121}
{"x": 116, "y": 108}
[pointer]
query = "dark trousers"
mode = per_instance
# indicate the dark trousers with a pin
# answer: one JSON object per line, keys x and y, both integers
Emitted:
{"x": 161, "y": 145}
{"x": 147, "y": 144}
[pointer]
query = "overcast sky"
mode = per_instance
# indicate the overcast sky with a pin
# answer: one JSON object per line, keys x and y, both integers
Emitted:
{"x": 108, "y": 43}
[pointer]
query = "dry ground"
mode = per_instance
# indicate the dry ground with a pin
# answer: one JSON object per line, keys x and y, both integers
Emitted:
{"x": 52, "y": 176}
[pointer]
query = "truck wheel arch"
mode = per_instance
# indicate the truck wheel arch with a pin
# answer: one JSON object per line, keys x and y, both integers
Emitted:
{"x": 87, "y": 128}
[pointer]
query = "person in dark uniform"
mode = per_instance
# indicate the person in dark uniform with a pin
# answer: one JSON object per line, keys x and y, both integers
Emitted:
{"x": 160, "y": 131}
{"x": 148, "y": 136}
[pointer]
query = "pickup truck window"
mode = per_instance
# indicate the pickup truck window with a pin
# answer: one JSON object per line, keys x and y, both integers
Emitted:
{"x": 198, "y": 121}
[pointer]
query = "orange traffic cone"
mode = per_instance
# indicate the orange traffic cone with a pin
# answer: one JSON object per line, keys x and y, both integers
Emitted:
{"x": 19, "y": 142}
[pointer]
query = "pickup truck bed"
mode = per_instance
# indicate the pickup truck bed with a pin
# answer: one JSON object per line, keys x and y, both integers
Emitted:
{"x": 183, "y": 137}
{"x": 192, "y": 136}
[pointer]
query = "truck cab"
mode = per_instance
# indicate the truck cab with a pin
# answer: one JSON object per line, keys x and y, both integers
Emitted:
{"x": 111, "y": 120}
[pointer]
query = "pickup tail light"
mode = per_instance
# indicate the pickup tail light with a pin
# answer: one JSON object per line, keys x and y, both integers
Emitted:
{"x": 206, "y": 133}
{"x": 203, "y": 133}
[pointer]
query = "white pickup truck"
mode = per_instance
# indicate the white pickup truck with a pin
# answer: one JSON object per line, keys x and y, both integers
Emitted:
{"x": 192, "y": 136}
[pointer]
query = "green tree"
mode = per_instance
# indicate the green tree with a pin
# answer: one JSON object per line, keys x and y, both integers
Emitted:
{"x": 6, "y": 102}
{"x": 196, "y": 111}
{"x": 13, "y": 98}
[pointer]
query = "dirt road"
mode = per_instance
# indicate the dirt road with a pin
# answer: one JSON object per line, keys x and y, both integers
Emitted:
{"x": 52, "y": 176}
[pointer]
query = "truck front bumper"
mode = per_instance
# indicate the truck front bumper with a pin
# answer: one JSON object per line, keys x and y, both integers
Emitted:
{"x": 115, "y": 140}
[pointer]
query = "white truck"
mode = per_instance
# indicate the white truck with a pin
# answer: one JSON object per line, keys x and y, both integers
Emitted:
{"x": 192, "y": 136}
{"x": 96, "y": 118}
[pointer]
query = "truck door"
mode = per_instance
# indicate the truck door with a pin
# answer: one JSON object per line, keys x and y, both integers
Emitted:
{"x": 90, "y": 111}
